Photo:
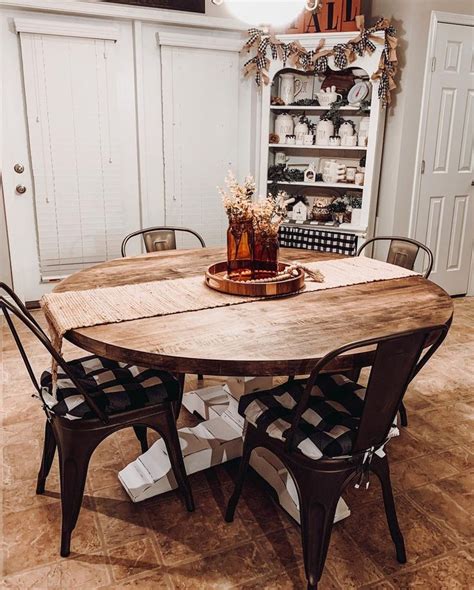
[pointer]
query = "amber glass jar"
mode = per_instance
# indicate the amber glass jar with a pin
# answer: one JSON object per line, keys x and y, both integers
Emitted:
{"x": 266, "y": 255}
{"x": 240, "y": 250}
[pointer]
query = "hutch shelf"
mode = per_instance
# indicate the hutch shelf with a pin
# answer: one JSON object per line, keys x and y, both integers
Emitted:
{"x": 364, "y": 158}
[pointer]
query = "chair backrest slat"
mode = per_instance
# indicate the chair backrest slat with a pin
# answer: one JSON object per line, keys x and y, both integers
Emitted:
{"x": 394, "y": 363}
{"x": 402, "y": 252}
{"x": 396, "y": 360}
{"x": 17, "y": 309}
{"x": 160, "y": 238}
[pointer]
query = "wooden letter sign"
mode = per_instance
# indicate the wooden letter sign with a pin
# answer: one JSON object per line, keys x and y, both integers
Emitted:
{"x": 333, "y": 16}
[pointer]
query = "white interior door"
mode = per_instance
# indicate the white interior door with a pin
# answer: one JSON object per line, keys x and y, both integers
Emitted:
{"x": 82, "y": 194}
{"x": 201, "y": 136}
{"x": 445, "y": 220}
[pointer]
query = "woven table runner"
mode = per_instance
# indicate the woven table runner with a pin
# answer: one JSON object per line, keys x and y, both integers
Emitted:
{"x": 108, "y": 305}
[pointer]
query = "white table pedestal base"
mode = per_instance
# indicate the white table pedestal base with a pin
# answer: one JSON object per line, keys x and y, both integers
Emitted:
{"x": 216, "y": 440}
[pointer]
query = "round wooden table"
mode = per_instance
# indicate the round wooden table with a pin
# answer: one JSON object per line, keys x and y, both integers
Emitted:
{"x": 273, "y": 337}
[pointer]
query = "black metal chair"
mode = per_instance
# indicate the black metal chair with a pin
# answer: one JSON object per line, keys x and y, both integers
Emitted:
{"x": 402, "y": 252}
{"x": 80, "y": 414}
{"x": 328, "y": 430}
{"x": 160, "y": 238}
{"x": 157, "y": 239}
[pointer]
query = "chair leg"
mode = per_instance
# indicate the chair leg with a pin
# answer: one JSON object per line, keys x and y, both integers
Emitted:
{"x": 49, "y": 450}
{"x": 319, "y": 494}
{"x": 403, "y": 415}
{"x": 380, "y": 467}
{"x": 140, "y": 433}
{"x": 239, "y": 484}
{"x": 75, "y": 451}
{"x": 177, "y": 406}
{"x": 171, "y": 438}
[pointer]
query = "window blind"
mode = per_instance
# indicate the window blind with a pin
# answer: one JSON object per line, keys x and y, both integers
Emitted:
{"x": 73, "y": 120}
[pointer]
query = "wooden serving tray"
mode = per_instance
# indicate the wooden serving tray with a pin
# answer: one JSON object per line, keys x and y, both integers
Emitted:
{"x": 216, "y": 279}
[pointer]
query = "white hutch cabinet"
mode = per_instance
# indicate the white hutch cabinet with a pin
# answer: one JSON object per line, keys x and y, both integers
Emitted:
{"x": 345, "y": 236}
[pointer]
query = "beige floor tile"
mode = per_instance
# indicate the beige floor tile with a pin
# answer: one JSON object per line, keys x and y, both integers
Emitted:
{"x": 443, "y": 509}
{"x": 182, "y": 535}
{"x": 86, "y": 571}
{"x": 32, "y": 537}
{"x": 452, "y": 572}
{"x": 132, "y": 558}
{"x": 222, "y": 570}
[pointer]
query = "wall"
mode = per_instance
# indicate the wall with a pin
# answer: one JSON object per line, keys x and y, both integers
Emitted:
{"x": 412, "y": 20}
{"x": 5, "y": 274}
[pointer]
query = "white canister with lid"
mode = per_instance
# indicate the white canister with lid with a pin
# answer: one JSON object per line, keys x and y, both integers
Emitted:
{"x": 301, "y": 129}
{"x": 346, "y": 129}
{"x": 324, "y": 130}
{"x": 364, "y": 126}
{"x": 284, "y": 126}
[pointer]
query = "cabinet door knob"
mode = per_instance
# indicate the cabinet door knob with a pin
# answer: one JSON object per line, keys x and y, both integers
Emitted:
{"x": 19, "y": 168}
{"x": 20, "y": 189}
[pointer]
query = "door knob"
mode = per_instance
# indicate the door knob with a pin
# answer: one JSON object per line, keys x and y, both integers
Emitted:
{"x": 20, "y": 189}
{"x": 19, "y": 168}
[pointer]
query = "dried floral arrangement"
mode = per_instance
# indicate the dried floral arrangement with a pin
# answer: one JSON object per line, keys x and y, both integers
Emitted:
{"x": 268, "y": 214}
{"x": 316, "y": 60}
{"x": 238, "y": 199}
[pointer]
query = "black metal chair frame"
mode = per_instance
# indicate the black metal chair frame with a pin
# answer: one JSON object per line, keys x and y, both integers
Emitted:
{"x": 139, "y": 431}
{"x": 418, "y": 245}
{"x": 142, "y": 232}
{"x": 398, "y": 358}
{"x": 76, "y": 440}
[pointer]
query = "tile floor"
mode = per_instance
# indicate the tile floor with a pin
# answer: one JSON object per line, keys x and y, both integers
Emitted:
{"x": 156, "y": 544}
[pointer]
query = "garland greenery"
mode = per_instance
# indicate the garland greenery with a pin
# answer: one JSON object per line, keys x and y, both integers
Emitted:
{"x": 316, "y": 60}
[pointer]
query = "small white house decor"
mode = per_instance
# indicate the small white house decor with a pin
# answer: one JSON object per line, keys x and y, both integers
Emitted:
{"x": 300, "y": 212}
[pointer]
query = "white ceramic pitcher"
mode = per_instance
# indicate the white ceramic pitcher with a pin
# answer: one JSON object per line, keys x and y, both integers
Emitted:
{"x": 290, "y": 87}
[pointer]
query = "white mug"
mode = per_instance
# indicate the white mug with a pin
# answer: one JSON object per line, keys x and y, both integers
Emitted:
{"x": 362, "y": 140}
{"x": 359, "y": 178}
{"x": 349, "y": 140}
{"x": 308, "y": 139}
{"x": 351, "y": 174}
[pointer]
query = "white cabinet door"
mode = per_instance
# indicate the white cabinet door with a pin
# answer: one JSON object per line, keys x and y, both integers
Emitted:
{"x": 83, "y": 177}
{"x": 445, "y": 219}
{"x": 201, "y": 135}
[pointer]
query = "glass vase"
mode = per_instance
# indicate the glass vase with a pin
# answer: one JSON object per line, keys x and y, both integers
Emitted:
{"x": 240, "y": 250}
{"x": 266, "y": 255}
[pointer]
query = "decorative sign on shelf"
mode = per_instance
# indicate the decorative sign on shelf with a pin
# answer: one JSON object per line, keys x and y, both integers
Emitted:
{"x": 267, "y": 46}
{"x": 188, "y": 5}
{"x": 332, "y": 16}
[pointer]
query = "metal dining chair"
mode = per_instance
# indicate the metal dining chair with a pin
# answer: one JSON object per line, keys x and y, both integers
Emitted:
{"x": 402, "y": 252}
{"x": 160, "y": 238}
{"x": 157, "y": 239}
{"x": 329, "y": 431}
{"x": 81, "y": 413}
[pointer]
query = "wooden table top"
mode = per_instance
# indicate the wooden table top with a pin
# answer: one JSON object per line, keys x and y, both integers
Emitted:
{"x": 271, "y": 337}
